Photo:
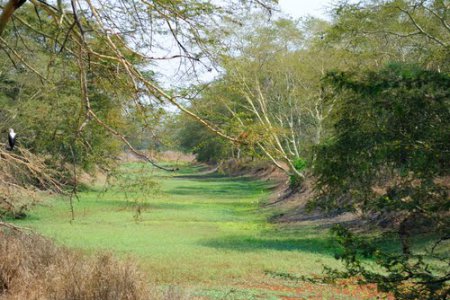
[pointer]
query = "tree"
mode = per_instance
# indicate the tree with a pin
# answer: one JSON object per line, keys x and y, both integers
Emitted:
{"x": 271, "y": 91}
{"x": 46, "y": 113}
{"x": 386, "y": 157}
{"x": 375, "y": 32}
{"x": 190, "y": 136}
{"x": 125, "y": 35}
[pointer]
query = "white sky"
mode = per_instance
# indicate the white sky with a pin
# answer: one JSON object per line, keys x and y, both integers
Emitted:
{"x": 293, "y": 8}
{"x": 303, "y": 8}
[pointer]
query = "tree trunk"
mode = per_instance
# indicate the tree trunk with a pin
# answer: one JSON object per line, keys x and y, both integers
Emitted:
{"x": 404, "y": 235}
{"x": 8, "y": 11}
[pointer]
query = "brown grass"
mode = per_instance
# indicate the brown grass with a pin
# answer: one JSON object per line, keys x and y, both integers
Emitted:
{"x": 174, "y": 156}
{"x": 32, "y": 267}
{"x": 261, "y": 169}
{"x": 167, "y": 156}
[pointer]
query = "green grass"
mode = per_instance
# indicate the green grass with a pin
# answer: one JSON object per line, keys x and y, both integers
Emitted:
{"x": 205, "y": 232}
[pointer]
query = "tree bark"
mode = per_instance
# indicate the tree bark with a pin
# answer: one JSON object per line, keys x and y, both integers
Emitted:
{"x": 404, "y": 235}
{"x": 8, "y": 11}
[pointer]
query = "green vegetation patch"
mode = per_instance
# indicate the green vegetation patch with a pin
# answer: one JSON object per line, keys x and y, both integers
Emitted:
{"x": 201, "y": 230}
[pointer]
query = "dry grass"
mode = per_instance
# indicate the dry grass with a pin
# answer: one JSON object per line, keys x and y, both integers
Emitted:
{"x": 32, "y": 267}
{"x": 174, "y": 157}
{"x": 260, "y": 169}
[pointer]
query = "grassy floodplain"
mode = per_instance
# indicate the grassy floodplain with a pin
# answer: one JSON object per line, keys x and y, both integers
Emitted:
{"x": 204, "y": 233}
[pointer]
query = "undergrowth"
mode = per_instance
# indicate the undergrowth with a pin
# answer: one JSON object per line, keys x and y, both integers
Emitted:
{"x": 33, "y": 267}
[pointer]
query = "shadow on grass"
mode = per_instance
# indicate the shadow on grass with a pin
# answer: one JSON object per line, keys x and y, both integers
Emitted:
{"x": 251, "y": 244}
{"x": 217, "y": 177}
{"x": 89, "y": 188}
{"x": 203, "y": 177}
{"x": 191, "y": 169}
{"x": 196, "y": 206}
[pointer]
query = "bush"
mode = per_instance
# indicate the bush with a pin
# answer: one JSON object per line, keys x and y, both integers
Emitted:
{"x": 295, "y": 181}
{"x": 421, "y": 275}
{"x": 388, "y": 157}
{"x": 300, "y": 164}
{"x": 32, "y": 267}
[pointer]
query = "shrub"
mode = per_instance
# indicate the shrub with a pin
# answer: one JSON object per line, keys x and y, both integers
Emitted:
{"x": 388, "y": 157}
{"x": 32, "y": 267}
{"x": 300, "y": 164}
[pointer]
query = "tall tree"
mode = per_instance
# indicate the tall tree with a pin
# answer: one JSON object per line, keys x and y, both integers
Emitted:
{"x": 271, "y": 90}
{"x": 377, "y": 32}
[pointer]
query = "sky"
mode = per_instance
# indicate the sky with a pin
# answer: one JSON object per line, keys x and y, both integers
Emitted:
{"x": 293, "y": 8}
{"x": 303, "y": 8}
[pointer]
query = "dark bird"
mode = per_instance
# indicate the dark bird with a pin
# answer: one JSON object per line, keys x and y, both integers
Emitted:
{"x": 11, "y": 139}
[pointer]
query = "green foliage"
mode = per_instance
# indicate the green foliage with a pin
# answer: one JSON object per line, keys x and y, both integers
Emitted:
{"x": 299, "y": 163}
{"x": 190, "y": 136}
{"x": 389, "y": 148}
{"x": 212, "y": 150}
{"x": 137, "y": 185}
{"x": 392, "y": 123}
{"x": 412, "y": 277}
{"x": 295, "y": 182}
{"x": 48, "y": 113}
{"x": 376, "y": 32}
